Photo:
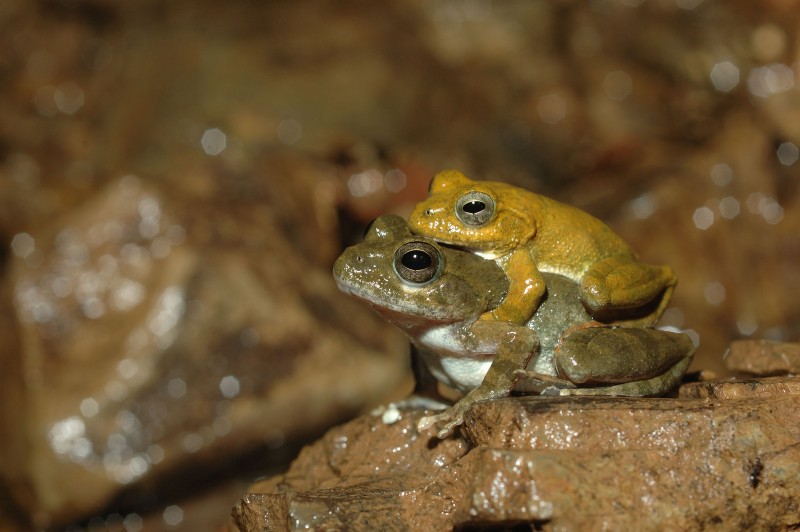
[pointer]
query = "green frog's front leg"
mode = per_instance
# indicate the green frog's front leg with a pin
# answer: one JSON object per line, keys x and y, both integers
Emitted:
{"x": 623, "y": 361}
{"x": 513, "y": 346}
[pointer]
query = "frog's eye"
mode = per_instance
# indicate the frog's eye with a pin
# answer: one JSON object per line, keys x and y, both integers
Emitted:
{"x": 475, "y": 208}
{"x": 417, "y": 262}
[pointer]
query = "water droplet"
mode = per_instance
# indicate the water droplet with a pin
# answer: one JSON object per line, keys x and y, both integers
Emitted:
{"x": 213, "y": 141}
{"x": 644, "y": 206}
{"x": 365, "y": 183}
{"x": 173, "y": 515}
{"x": 23, "y": 245}
{"x": 729, "y": 207}
{"x": 133, "y": 523}
{"x": 127, "y": 368}
{"x": 89, "y": 407}
{"x": 724, "y": 76}
{"x": 721, "y": 174}
{"x": 229, "y": 386}
{"x": 703, "y": 218}
{"x": 714, "y": 293}
{"x": 773, "y": 212}
{"x": 68, "y": 98}
{"x": 746, "y": 324}
{"x": 192, "y": 442}
{"x": 176, "y": 388}
{"x": 395, "y": 180}
{"x": 771, "y": 79}
{"x": 788, "y": 153}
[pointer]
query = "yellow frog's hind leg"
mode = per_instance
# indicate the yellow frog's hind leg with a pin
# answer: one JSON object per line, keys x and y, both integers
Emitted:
{"x": 623, "y": 283}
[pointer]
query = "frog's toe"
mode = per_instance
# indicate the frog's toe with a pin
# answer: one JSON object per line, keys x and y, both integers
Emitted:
{"x": 451, "y": 422}
{"x": 551, "y": 391}
{"x": 448, "y": 429}
{"x": 426, "y": 422}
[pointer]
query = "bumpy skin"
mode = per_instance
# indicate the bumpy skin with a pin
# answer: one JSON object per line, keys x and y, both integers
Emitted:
{"x": 529, "y": 234}
{"x": 489, "y": 359}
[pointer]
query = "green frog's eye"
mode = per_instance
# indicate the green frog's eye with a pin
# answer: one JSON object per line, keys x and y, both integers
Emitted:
{"x": 475, "y": 208}
{"x": 417, "y": 262}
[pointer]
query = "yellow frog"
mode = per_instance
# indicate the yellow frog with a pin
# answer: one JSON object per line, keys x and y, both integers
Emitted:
{"x": 527, "y": 234}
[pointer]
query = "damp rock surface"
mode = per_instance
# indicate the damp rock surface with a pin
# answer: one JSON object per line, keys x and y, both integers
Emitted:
{"x": 154, "y": 347}
{"x": 763, "y": 357}
{"x": 708, "y": 458}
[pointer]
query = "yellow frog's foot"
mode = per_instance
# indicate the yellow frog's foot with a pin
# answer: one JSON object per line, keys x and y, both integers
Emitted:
{"x": 510, "y": 313}
{"x": 489, "y": 316}
{"x": 625, "y": 283}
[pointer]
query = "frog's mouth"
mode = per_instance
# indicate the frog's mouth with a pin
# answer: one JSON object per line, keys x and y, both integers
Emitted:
{"x": 410, "y": 322}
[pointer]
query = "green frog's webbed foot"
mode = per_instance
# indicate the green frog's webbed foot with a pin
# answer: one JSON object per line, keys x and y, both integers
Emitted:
{"x": 454, "y": 416}
{"x": 451, "y": 418}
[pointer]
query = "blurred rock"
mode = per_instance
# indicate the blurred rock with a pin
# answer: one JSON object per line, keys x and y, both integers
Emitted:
{"x": 763, "y": 357}
{"x": 570, "y": 464}
{"x": 147, "y": 351}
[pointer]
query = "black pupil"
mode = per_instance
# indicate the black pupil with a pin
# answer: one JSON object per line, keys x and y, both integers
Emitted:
{"x": 416, "y": 260}
{"x": 474, "y": 206}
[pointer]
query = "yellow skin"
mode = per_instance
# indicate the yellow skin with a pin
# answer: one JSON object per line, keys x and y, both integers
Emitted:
{"x": 527, "y": 234}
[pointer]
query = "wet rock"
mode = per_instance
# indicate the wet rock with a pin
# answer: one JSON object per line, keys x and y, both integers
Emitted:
{"x": 150, "y": 348}
{"x": 728, "y": 460}
{"x": 763, "y": 357}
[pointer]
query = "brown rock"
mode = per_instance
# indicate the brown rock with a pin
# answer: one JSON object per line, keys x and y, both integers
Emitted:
{"x": 763, "y": 357}
{"x": 146, "y": 351}
{"x": 558, "y": 463}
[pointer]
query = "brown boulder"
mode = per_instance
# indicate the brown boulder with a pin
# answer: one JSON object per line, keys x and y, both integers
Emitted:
{"x": 700, "y": 460}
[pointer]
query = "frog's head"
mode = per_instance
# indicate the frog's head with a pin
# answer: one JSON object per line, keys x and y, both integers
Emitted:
{"x": 413, "y": 281}
{"x": 480, "y": 216}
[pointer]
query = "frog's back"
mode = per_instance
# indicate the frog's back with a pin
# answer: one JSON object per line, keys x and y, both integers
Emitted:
{"x": 567, "y": 240}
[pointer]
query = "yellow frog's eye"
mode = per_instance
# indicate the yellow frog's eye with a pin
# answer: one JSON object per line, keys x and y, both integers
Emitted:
{"x": 475, "y": 208}
{"x": 417, "y": 262}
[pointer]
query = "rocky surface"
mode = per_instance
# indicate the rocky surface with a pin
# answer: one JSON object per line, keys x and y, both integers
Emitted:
{"x": 707, "y": 459}
{"x": 763, "y": 357}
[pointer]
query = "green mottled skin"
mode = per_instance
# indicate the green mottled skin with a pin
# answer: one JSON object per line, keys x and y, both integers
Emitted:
{"x": 534, "y": 357}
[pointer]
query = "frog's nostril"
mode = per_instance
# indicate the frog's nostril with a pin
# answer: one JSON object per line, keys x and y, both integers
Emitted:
{"x": 429, "y": 212}
{"x": 359, "y": 259}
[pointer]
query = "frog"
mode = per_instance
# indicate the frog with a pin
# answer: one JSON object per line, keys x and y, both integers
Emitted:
{"x": 437, "y": 294}
{"x": 528, "y": 234}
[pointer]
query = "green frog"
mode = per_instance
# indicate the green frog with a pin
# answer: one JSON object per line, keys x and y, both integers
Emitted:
{"x": 436, "y": 295}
